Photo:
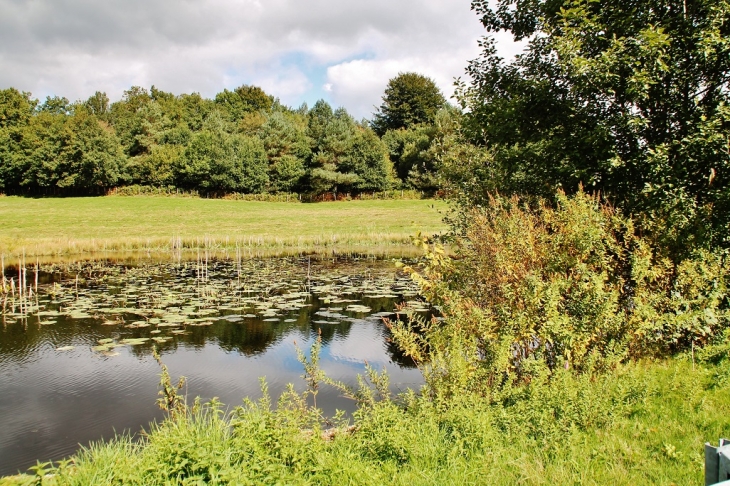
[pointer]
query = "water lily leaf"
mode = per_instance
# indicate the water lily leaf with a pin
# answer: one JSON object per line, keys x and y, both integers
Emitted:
{"x": 134, "y": 341}
{"x": 360, "y": 309}
{"x": 49, "y": 313}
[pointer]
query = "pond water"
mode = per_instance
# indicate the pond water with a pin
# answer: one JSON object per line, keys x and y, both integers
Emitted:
{"x": 76, "y": 359}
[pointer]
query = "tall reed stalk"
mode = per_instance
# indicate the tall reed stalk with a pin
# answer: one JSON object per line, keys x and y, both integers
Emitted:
{"x": 2, "y": 271}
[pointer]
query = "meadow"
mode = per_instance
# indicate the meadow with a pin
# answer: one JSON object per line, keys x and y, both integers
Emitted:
{"x": 73, "y": 226}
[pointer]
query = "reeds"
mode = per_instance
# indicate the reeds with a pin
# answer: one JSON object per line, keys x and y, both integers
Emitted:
{"x": 21, "y": 298}
{"x": 179, "y": 248}
{"x": 2, "y": 270}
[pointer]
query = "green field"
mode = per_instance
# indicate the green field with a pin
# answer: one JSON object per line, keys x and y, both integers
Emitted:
{"x": 71, "y": 226}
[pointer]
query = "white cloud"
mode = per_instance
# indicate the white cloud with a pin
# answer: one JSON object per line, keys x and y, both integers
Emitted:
{"x": 361, "y": 345}
{"x": 342, "y": 49}
{"x": 359, "y": 84}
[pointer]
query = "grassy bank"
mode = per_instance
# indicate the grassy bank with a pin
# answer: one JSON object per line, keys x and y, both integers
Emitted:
{"x": 645, "y": 423}
{"x": 112, "y": 224}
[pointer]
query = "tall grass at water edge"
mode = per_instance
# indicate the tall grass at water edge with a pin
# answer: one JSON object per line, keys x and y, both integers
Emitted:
{"x": 642, "y": 424}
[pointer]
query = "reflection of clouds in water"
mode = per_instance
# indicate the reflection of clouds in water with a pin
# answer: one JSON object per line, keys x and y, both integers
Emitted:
{"x": 364, "y": 343}
{"x": 51, "y": 400}
{"x": 52, "y": 404}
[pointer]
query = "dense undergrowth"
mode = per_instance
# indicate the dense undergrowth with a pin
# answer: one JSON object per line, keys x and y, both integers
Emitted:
{"x": 534, "y": 289}
{"x": 573, "y": 351}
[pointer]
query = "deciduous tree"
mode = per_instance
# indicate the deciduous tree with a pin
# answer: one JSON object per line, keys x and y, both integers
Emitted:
{"x": 626, "y": 98}
{"x": 409, "y": 99}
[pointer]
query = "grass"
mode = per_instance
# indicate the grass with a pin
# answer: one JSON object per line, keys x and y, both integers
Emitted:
{"x": 72, "y": 226}
{"x": 645, "y": 423}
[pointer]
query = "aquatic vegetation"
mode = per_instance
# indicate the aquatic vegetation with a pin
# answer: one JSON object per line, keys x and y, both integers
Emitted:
{"x": 167, "y": 297}
{"x": 96, "y": 324}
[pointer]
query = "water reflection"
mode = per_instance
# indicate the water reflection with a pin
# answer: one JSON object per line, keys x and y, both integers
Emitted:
{"x": 79, "y": 367}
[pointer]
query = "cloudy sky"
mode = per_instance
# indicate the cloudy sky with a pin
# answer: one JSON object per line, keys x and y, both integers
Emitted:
{"x": 298, "y": 50}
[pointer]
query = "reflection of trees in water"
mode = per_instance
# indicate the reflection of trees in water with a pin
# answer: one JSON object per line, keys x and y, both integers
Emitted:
{"x": 147, "y": 288}
{"x": 397, "y": 356}
{"x": 21, "y": 339}
{"x": 251, "y": 337}
{"x": 339, "y": 329}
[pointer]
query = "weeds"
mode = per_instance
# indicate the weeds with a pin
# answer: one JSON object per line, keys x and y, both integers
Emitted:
{"x": 171, "y": 401}
{"x": 531, "y": 291}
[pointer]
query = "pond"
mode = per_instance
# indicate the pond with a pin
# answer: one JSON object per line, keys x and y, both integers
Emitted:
{"x": 76, "y": 346}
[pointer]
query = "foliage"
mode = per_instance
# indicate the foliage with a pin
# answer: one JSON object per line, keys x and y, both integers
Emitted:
{"x": 56, "y": 105}
{"x": 16, "y": 108}
{"x": 171, "y": 401}
{"x": 244, "y": 99}
{"x": 215, "y": 160}
{"x": 97, "y": 104}
{"x": 242, "y": 142}
{"x": 410, "y": 99}
{"x": 534, "y": 290}
{"x": 421, "y": 154}
{"x": 367, "y": 159}
{"x": 157, "y": 168}
{"x": 631, "y": 100}
{"x": 287, "y": 149}
{"x": 346, "y": 156}
{"x": 61, "y": 152}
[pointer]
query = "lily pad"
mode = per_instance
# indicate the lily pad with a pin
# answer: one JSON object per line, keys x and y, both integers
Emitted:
{"x": 134, "y": 341}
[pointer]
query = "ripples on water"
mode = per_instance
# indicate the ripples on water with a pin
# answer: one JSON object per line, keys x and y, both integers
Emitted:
{"x": 221, "y": 324}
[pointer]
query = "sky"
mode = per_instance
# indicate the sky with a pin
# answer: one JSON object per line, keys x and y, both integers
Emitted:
{"x": 343, "y": 51}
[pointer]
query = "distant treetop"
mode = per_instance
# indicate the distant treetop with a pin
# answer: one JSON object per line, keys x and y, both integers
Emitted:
{"x": 409, "y": 99}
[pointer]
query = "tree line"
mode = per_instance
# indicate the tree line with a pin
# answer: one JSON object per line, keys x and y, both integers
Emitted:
{"x": 243, "y": 140}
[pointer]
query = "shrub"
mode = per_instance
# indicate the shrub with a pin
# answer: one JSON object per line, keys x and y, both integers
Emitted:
{"x": 533, "y": 289}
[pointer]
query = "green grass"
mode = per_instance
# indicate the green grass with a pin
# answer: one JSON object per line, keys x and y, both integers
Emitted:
{"x": 644, "y": 423}
{"x": 83, "y": 225}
